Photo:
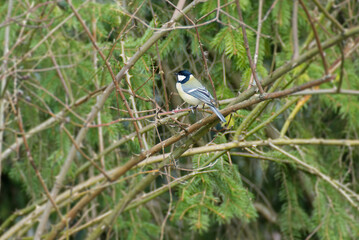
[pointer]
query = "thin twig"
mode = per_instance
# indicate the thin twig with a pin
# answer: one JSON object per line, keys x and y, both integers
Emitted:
{"x": 328, "y": 91}
{"x": 295, "y": 29}
{"x": 269, "y": 10}
{"x": 162, "y": 78}
{"x": 97, "y": 84}
{"x": 142, "y": 141}
{"x": 64, "y": 83}
{"x": 259, "y": 29}
{"x": 341, "y": 76}
{"x": 252, "y": 66}
{"x": 316, "y": 37}
{"x": 33, "y": 164}
{"x": 169, "y": 205}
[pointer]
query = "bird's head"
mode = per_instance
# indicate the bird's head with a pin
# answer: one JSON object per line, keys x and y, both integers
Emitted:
{"x": 183, "y": 76}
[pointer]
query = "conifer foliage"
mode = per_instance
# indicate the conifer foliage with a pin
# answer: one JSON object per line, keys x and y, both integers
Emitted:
{"x": 95, "y": 142}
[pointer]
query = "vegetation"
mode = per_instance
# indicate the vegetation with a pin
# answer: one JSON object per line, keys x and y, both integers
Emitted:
{"x": 95, "y": 142}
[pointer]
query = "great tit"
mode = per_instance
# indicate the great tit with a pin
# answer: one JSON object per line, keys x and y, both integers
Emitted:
{"x": 194, "y": 93}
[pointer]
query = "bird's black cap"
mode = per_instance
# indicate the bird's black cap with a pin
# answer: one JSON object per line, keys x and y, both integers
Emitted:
{"x": 184, "y": 73}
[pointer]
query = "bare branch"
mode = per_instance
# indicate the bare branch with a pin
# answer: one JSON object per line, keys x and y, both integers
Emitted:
{"x": 316, "y": 37}
{"x": 252, "y": 66}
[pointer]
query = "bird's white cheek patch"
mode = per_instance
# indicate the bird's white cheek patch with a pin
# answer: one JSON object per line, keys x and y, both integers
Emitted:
{"x": 181, "y": 78}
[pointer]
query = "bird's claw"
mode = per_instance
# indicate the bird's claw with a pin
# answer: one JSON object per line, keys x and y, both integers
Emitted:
{"x": 193, "y": 108}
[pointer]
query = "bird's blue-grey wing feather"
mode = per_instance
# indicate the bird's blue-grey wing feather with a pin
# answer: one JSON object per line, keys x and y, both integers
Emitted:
{"x": 200, "y": 92}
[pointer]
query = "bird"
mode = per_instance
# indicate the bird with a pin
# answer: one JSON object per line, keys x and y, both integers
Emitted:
{"x": 194, "y": 93}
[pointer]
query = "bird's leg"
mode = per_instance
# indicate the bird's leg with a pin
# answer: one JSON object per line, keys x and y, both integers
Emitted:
{"x": 203, "y": 109}
{"x": 194, "y": 108}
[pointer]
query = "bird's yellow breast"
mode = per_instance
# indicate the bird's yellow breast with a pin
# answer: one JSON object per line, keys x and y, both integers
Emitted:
{"x": 186, "y": 97}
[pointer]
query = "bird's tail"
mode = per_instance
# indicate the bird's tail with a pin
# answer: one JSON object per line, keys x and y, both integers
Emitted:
{"x": 216, "y": 111}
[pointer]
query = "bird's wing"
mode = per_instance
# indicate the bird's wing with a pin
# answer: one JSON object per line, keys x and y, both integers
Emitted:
{"x": 201, "y": 93}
